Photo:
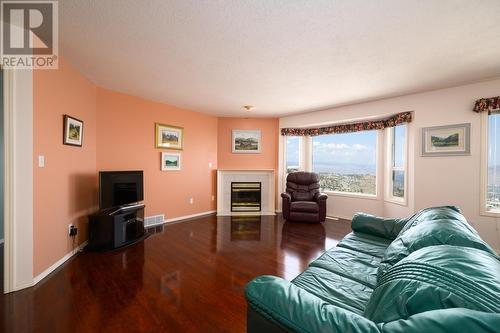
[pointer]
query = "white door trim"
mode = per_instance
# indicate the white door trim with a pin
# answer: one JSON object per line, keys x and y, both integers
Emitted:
{"x": 18, "y": 178}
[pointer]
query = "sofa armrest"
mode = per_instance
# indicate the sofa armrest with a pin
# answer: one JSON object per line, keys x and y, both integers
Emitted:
{"x": 320, "y": 196}
{"x": 286, "y": 196}
{"x": 378, "y": 226}
{"x": 297, "y": 310}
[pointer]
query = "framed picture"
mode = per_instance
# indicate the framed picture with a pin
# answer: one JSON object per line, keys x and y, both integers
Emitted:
{"x": 446, "y": 140}
{"x": 170, "y": 161}
{"x": 73, "y": 131}
{"x": 246, "y": 141}
{"x": 170, "y": 137}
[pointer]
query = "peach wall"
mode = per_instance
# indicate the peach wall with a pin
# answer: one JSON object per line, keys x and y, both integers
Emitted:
{"x": 119, "y": 135}
{"x": 267, "y": 159}
{"x": 125, "y": 136}
{"x": 65, "y": 190}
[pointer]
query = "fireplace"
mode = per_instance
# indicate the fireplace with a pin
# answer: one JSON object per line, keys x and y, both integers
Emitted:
{"x": 267, "y": 191}
{"x": 245, "y": 196}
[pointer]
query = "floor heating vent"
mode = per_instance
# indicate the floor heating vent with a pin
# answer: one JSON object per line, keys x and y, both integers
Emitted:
{"x": 152, "y": 221}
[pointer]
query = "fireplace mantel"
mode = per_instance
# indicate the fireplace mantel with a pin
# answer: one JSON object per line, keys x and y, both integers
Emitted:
{"x": 224, "y": 179}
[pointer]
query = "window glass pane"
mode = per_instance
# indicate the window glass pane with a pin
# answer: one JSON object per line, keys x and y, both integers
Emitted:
{"x": 398, "y": 184}
{"x": 292, "y": 153}
{"x": 398, "y": 147}
{"x": 493, "y": 190}
{"x": 346, "y": 162}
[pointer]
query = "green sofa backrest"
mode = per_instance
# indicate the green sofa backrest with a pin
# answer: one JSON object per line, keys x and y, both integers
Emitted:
{"x": 437, "y": 277}
{"x": 433, "y": 226}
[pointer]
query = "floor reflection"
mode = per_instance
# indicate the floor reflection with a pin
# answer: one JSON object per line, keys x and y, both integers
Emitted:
{"x": 171, "y": 288}
{"x": 301, "y": 243}
{"x": 249, "y": 232}
{"x": 245, "y": 228}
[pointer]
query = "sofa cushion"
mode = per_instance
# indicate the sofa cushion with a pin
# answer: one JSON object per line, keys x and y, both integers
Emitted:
{"x": 304, "y": 206}
{"x": 437, "y": 277}
{"x": 365, "y": 243}
{"x": 454, "y": 320}
{"x": 351, "y": 264}
{"x": 432, "y": 230}
{"x": 334, "y": 289}
{"x": 302, "y": 196}
{"x": 377, "y": 226}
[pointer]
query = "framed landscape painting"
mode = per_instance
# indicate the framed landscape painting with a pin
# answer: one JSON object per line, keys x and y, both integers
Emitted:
{"x": 246, "y": 141}
{"x": 167, "y": 136}
{"x": 170, "y": 161}
{"x": 73, "y": 131}
{"x": 446, "y": 140}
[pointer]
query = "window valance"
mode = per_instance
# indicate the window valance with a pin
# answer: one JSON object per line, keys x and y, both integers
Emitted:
{"x": 487, "y": 104}
{"x": 404, "y": 117}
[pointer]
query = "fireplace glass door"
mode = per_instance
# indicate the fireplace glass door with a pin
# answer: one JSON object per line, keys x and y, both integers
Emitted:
{"x": 245, "y": 197}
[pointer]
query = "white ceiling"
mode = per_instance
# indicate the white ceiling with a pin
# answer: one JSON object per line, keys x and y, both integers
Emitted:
{"x": 283, "y": 56}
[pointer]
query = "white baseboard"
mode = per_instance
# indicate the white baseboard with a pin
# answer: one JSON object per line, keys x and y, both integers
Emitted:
{"x": 188, "y": 217}
{"x": 58, "y": 263}
{"x": 21, "y": 286}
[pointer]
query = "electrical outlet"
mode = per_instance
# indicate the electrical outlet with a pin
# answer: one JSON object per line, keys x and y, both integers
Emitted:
{"x": 213, "y": 197}
{"x": 210, "y": 165}
{"x": 191, "y": 201}
{"x": 72, "y": 230}
{"x": 41, "y": 161}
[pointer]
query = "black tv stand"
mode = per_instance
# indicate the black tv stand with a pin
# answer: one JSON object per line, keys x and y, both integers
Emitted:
{"x": 116, "y": 227}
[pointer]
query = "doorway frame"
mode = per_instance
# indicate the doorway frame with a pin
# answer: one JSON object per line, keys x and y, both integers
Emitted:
{"x": 18, "y": 179}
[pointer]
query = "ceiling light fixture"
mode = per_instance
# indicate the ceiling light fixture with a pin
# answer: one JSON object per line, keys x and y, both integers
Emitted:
{"x": 248, "y": 107}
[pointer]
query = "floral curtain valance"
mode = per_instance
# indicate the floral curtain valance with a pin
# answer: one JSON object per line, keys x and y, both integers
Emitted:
{"x": 487, "y": 104}
{"x": 404, "y": 117}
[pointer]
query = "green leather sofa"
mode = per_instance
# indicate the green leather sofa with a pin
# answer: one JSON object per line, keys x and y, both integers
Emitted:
{"x": 427, "y": 273}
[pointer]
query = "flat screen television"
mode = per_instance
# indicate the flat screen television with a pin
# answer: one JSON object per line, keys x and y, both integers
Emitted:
{"x": 119, "y": 188}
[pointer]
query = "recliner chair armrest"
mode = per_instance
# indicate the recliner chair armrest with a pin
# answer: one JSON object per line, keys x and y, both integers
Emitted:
{"x": 286, "y": 196}
{"x": 378, "y": 226}
{"x": 296, "y": 309}
{"x": 320, "y": 196}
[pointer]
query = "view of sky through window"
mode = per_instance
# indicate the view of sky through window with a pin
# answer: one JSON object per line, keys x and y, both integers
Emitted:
{"x": 292, "y": 153}
{"x": 493, "y": 190}
{"x": 346, "y": 162}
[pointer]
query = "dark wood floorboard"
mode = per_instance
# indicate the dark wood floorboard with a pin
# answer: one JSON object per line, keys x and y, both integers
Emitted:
{"x": 186, "y": 277}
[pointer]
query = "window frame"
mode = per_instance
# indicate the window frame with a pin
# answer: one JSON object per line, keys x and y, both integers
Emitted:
{"x": 389, "y": 168}
{"x": 484, "y": 167}
{"x": 357, "y": 195}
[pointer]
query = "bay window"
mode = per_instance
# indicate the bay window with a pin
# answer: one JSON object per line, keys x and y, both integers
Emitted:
{"x": 346, "y": 162}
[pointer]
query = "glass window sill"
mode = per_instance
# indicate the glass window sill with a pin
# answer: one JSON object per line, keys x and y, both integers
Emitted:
{"x": 352, "y": 195}
{"x": 490, "y": 213}
{"x": 397, "y": 201}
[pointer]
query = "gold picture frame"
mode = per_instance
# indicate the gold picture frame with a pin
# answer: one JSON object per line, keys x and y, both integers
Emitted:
{"x": 169, "y": 137}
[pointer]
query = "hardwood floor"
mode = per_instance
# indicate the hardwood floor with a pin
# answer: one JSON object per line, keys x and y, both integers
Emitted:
{"x": 186, "y": 277}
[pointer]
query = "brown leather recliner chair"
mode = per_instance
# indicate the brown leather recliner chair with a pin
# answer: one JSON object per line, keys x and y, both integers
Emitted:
{"x": 302, "y": 201}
